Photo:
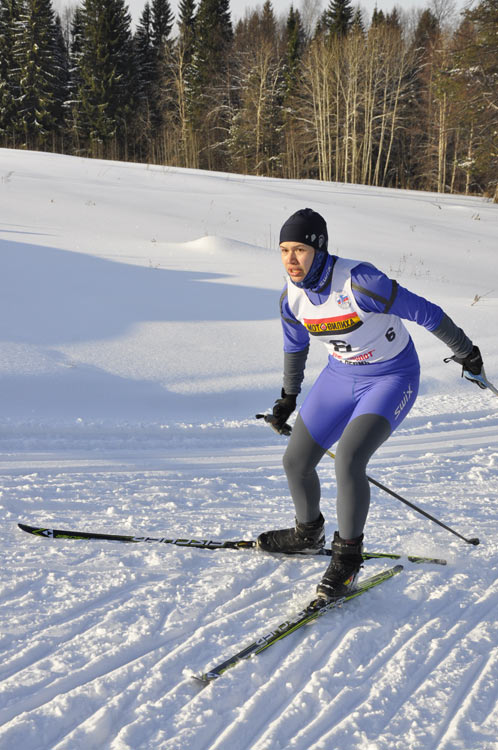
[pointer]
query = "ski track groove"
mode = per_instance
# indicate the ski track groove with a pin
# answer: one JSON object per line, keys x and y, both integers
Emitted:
{"x": 80, "y": 620}
{"x": 123, "y": 662}
{"x": 186, "y": 691}
{"x": 145, "y": 657}
{"x": 190, "y": 692}
{"x": 292, "y": 707}
{"x": 279, "y": 662}
{"x": 77, "y": 679}
{"x": 476, "y": 695}
{"x": 236, "y": 610}
{"x": 289, "y": 710}
{"x": 461, "y": 645}
{"x": 298, "y": 708}
{"x": 459, "y": 705}
{"x": 315, "y": 735}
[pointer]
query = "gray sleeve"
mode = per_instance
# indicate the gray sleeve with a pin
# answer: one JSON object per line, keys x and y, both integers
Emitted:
{"x": 452, "y": 336}
{"x": 294, "y": 364}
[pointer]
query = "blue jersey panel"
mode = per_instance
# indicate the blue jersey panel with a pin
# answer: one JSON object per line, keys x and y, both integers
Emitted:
{"x": 378, "y": 288}
{"x": 296, "y": 337}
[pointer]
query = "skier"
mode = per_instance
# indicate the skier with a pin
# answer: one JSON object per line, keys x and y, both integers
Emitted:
{"x": 366, "y": 390}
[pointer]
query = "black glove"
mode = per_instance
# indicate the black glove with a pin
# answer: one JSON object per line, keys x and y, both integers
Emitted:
{"x": 283, "y": 408}
{"x": 471, "y": 363}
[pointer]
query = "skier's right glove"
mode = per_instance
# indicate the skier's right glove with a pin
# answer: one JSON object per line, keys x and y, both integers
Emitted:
{"x": 283, "y": 408}
{"x": 472, "y": 364}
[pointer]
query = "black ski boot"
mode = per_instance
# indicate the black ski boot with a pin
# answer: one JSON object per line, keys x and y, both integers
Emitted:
{"x": 304, "y": 538}
{"x": 340, "y": 576}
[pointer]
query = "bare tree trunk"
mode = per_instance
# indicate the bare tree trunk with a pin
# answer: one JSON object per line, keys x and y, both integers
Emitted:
{"x": 469, "y": 159}
{"x": 318, "y": 72}
{"x": 442, "y": 144}
{"x": 369, "y": 91}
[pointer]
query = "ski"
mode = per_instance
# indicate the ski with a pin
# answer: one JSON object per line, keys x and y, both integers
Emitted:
{"x": 198, "y": 543}
{"x": 315, "y": 609}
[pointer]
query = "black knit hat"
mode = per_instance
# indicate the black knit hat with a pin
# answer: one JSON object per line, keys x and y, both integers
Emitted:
{"x": 305, "y": 226}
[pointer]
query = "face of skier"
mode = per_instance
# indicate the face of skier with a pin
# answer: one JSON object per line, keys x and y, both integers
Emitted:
{"x": 297, "y": 258}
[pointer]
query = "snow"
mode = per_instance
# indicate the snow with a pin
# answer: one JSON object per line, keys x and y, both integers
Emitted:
{"x": 140, "y": 335}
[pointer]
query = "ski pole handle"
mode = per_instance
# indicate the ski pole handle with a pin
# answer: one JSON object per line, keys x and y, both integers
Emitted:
{"x": 286, "y": 429}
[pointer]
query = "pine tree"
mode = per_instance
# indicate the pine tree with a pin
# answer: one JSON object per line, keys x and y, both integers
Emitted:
{"x": 176, "y": 121}
{"x": 393, "y": 20}
{"x": 339, "y": 17}
{"x": 144, "y": 54}
{"x": 208, "y": 84}
{"x": 75, "y": 80}
{"x": 186, "y": 26}
{"x": 292, "y": 69}
{"x": 268, "y": 23}
{"x": 9, "y": 78}
{"x": 162, "y": 23}
{"x": 61, "y": 58}
{"x": 105, "y": 95}
{"x": 357, "y": 25}
{"x": 426, "y": 33}
{"x": 35, "y": 59}
{"x": 76, "y": 43}
{"x": 294, "y": 50}
{"x": 146, "y": 75}
{"x": 378, "y": 17}
{"x": 213, "y": 38}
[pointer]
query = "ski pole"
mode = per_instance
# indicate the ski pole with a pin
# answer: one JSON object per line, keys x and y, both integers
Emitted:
{"x": 481, "y": 381}
{"x": 473, "y": 540}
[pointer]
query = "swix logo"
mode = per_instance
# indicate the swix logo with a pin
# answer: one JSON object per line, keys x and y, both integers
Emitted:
{"x": 406, "y": 397}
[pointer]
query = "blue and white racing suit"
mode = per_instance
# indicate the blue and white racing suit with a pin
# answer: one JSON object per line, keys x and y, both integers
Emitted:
{"x": 368, "y": 386}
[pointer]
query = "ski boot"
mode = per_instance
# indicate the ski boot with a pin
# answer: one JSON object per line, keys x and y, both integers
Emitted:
{"x": 304, "y": 538}
{"x": 340, "y": 576}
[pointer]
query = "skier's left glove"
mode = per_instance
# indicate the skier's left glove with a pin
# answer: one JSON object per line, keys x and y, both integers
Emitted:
{"x": 283, "y": 408}
{"x": 472, "y": 364}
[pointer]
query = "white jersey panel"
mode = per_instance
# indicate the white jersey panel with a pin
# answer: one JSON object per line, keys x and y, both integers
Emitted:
{"x": 349, "y": 334}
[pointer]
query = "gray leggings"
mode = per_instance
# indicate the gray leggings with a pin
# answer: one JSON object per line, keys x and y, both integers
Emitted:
{"x": 359, "y": 441}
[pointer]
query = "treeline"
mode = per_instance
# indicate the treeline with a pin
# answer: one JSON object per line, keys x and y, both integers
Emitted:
{"x": 343, "y": 98}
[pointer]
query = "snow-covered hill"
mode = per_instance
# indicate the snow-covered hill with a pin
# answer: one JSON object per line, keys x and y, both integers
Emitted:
{"x": 139, "y": 336}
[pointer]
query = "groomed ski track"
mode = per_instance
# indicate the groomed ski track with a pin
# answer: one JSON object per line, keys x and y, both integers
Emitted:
{"x": 102, "y": 639}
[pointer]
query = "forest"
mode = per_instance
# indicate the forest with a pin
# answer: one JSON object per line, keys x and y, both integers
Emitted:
{"x": 394, "y": 100}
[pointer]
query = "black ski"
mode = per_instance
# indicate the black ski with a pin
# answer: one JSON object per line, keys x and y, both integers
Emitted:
{"x": 197, "y": 543}
{"x": 315, "y": 609}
